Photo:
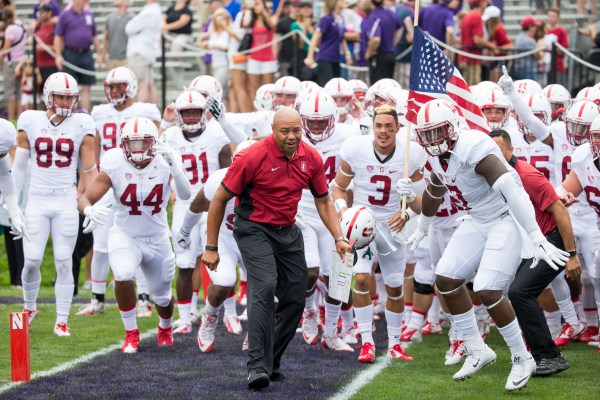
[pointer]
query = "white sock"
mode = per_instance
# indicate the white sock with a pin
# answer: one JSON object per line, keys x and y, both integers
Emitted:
{"x": 380, "y": 288}
{"x": 100, "y": 270}
{"x": 64, "y": 297}
{"x": 591, "y": 316}
{"x": 347, "y": 318}
{"x": 552, "y": 318}
{"x": 467, "y": 326}
{"x": 479, "y": 309}
{"x": 567, "y": 309}
{"x": 408, "y": 307}
{"x": 364, "y": 318}
{"x": 394, "y": 326}
{"x": 140, "y": 282}
{"x": 184, "y": 308}
{"x": 128, "y": 318}
{"x": 332, "y": 313}
{"x": 210, "y": 309}
{"x": 514, "y": 339}
{"x": 194, "y": 303}
{"x": 30, "y": 293}
{"x": 433, "y": 315}
{"x": 229, "y": 306}
{"x": 310, "y": 302}
{"x": 165, "y": 323}
{"x": 417, "y": 320}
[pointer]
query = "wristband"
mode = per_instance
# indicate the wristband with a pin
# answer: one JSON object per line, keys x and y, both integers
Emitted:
{"x": 340, "y": 204}
{"x": 165, "y": 124}
{"x": 211, "y": 248}
{"x": 572, "y": 253}
{"x": 341, "y": 238}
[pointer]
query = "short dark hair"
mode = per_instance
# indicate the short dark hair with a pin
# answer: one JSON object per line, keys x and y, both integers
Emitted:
{"x": 503, "y": 134}
{"x": 386, "y": 110}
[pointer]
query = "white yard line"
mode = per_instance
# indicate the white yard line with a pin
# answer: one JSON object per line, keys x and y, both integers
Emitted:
{"x": 362, "y": 379}
{"x": 73, "y": 363}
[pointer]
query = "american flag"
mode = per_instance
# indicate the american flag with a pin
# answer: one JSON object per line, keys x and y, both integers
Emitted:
{"x": 433, "y": 76}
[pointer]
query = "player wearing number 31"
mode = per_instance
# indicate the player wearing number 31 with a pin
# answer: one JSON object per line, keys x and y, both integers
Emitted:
{"x": 139, "y": 237}
{"x": 54, "y": 140}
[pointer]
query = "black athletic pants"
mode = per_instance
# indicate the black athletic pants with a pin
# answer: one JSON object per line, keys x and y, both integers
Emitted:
{"x": 274, "y": 260}
{"x": 523, "y": 293}
{"x": 382, "y": 66}
{"x": 14, "y": 253}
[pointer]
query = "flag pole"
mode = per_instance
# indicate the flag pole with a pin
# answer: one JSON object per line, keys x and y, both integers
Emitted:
{"x": 409, "y": 125}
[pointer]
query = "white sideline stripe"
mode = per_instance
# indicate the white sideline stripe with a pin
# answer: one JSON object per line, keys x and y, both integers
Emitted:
{"x": 73, "y": 363}
{"x": 362, "y": 379}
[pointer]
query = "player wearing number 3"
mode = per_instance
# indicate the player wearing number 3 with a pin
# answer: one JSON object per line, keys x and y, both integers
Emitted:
{"x": 139, "y": 236}
{"x": 53, "y": 140}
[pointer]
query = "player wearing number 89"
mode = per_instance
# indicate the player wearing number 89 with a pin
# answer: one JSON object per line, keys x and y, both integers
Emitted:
{"x": 141, "y": 187}
{"x": 375, "y": 164}
{"x": 53, "y": 140}
{"x": 120, "y": 87}
{"x": 204, "y": 149}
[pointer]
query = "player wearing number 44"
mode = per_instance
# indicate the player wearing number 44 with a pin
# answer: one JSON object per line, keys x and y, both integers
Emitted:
{"x": 54, "y": 140}
{"x": 139, "y": 237}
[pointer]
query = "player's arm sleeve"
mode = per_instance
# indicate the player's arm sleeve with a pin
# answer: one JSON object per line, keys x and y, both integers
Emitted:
{"x": 537, "y": 127}
{"x": 7, "y": 185}
{"x": 235, "y": 134}
{"x": 517, "y": 201}
{"x": 239, "y": 175}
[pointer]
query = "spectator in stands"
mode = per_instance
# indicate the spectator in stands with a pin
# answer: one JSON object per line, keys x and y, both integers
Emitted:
{"x": 438, "y": 20}
{"x": 526, "y": 67}
{"x": 26, "y": 72}
{"x": 498, "y": 36}
{"x": 286, "y": 50}
{"x": 177, "y": 21}
{"x": 405, "y": 15}
{"x": 74, "y": 34}
{"x": 143, "y": 31}
{"x": 239, "y": 100}
{"x": 562, "y": 38}
{"x": 329, "y": 38}
{"x": 15, "y": 39}
{"x": 262, "y": 64}
{"x": 115, "y": 38}
{"x": 220, "y": 34}
{"x": 587, "y": 5}
{"x": 44, "y": 29}
{"x": 353, "y": 19}
{"x": 54, "y": 6}
{"x": 306, "y": 25}
{"x": 472, "y": 39}
{"x": 366, "y": 7}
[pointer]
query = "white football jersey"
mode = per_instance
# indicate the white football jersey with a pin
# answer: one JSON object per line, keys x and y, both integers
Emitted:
{"x": 374, "y": 179}
{"x": 469, "y": 191}
{"x": 200, "y": 155}
{"x": 210, "y": 188}
{"x": 586, "y": 169}
{"x": 329, "y": 149}
{"x": 8, "y": 136}
{"x": 364, "y": 125}
{"x": 253, "y": 123}
{"x": 54, "y": 150}
{"x": 448, "y": 212}
{"x": 109, "y": 121}
{"x": 140, "y": 195}
{"x": 538, "y": 154}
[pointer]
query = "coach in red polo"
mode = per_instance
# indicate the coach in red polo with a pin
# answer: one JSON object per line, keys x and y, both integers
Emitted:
{"x": 267, "y": 179}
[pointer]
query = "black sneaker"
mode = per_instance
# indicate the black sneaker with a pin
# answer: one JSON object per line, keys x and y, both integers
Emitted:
{"x": 277, "y": 376}
{"x": 551, "y": 366}
{"x": 258, "y": 380}
{"x": 561, "y": 363}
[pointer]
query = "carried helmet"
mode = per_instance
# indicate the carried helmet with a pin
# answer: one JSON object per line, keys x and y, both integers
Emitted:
{"x": 358, "y": 223}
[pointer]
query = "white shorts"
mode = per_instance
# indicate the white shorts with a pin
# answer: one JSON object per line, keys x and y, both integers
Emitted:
{"x": 424, "y": 269}
{"x": 153, "y": 254}
{"x": 101, "y": 231}
{"x": 487, "y": 253}
{"x": 27, "y": 99}
{"x": 409, "y": 229}
{"x": 186, "y": 259}
{"x": 229, "y": 253}
{"x": 237, "y": 66}
{"x": 391, "y": 257}
{"x": 318, "y": 243}
{"x": 51, "y": 212}
{"x": 261, "y": 67}
{"x": 587, "y": 237}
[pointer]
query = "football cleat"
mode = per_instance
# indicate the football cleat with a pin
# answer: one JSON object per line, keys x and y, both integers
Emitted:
{"x": 569, "y": 333}
{"x": 233, "y": 325}
{"x": 455, "y": 353}
{"x": 206, "y": 333}
{"x": 132, "y": 341}
{"x": 242, "y": 294}
{"x": 350, "y": 335}
{"x": 522, "y": 368}
{"x": 182, "y": 329}
{"x": 31, "y": 314}
{"x": 590, "y": 335}
{"x": 431, "y": 328}
{"x": 475, "y": 361}
{"x": 61, "y": 329}
{"x": 245, "y": 343}
{"x": 379, "y": 308}
{"x": 411, "y": 335}
{"x": 367, "y": 353}
{"x": 310, "y": 327}
{"x": 144, "y": 309}
{"x": 399, "y": 353}
{"x": 165, "y": 336}
{"x": 94, "y": 307}
{"x": 335, "y": 343}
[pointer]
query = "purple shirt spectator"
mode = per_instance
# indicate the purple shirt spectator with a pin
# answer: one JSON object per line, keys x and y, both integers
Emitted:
{"x": 382, "y": 23}
{"x": 55, "y": 8}
{"x": 333, "y": 34}
{"x": 77, "y": 30}
{"x": 364, "y": 40}
{"x": 435, "y": 19}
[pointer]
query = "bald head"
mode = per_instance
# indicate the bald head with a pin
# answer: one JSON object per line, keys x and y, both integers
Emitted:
{"x": 287, "y": 130}
{"x": 285, "y": 113}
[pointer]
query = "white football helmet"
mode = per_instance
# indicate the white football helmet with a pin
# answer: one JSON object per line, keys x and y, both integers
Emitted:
{"x": 487, "y": 85}
{"x": 578, "y": 121}
{"x": 594, "y": 137}
{"x": 263, "y": 101}
{"x": 317, "y": 115}
{"x": 398, "y": 98}
{"x": 359, "y": 88}
{"x": 387, "y": 83}
{"x": 127, "y": 85}
{"x": 559, "y": 98}
{"x": 488, "y": 98}
{"x": 438, "y": 126}
{"x": 243, "y": 146}
{"x": 63, "y": 84}
{"x": 310, "y": 85}
{"x": 375, "y": 97}
{"x": 589, "y": 93}
{"x": 190, "y": 112}
{"x": 138, "y": 141}
{"x": 207, "y": 86}
{"x": 358, "y": 223}
{"x": 540, "y": 106}
{"x": 340, "y": 88}
{"x": 285, "y": 91}
{"x": 526, "y": 86}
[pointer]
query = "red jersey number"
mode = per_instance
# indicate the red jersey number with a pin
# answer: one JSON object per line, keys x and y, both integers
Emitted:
{"x": 193, "y": 167}
{"x": 565, "y": 167}
{"x": 384, "y": 184}
{"x": 46, "y": 149}
{"x": 110, "y": 132}
{"x": 154, "y": 199}
{"x": 535, "y": 161}
{"x": 329, "y": 167}
{"x": 457, "y": 198}
{"x": 593, "y": 197}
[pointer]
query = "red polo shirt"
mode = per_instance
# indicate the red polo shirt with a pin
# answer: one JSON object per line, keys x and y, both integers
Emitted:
{"x": 541, "y": 193}
{"x": 472, "y": 25}
{"x": 268, "y": 186}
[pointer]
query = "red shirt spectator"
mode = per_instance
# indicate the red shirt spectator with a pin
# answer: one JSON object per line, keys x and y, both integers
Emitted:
{"x": 472, "y": 25}
{"x": 45, "y": 31}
